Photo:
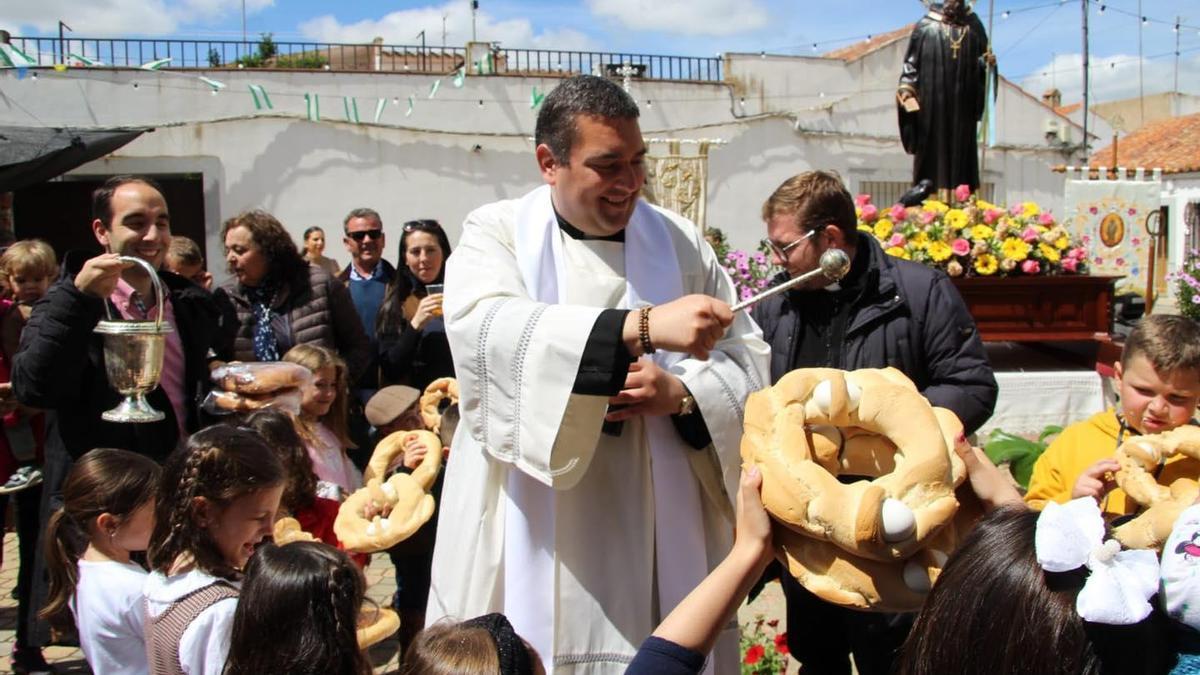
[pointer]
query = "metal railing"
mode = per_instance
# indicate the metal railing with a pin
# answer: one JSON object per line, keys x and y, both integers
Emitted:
{"x": 373, "y": 57}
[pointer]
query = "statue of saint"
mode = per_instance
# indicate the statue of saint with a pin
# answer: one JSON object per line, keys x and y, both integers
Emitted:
{"x": 940, "y": 98}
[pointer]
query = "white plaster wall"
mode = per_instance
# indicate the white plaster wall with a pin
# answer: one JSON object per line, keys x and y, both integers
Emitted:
{"x": 103, "y": 97}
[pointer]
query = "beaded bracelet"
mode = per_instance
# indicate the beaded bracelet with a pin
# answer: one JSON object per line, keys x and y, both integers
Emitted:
{"x": 644, "y": 330}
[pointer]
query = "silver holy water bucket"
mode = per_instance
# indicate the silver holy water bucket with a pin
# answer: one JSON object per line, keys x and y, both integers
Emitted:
{"x": 133, "y": 356}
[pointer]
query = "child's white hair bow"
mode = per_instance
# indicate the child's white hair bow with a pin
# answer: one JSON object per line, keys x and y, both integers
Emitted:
{"x": 1119, "y": 583}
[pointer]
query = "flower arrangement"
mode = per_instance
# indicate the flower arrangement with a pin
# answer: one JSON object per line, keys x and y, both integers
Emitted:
{"x": 751, "y": 272}
{"x": 764, "y": 649}
{"x": 971, "y": 237}
{"x": 1187, "y": 286}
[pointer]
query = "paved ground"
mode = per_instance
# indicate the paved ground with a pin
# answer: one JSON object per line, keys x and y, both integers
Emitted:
{"x": 381, "y": 585}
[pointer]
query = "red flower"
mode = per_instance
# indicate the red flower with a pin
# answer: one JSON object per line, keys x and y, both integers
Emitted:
{"x": 753, "y": 654}
{"x": 781, "y": 643}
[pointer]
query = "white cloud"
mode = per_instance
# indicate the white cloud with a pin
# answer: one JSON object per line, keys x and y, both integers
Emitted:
{"x": 103, "y": 18}
{"x": 403, "y": 27}
{"x": 685, "y": 17}
{"x": 1113, "y": 77}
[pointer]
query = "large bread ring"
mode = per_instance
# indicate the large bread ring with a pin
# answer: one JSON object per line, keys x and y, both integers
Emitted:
{"x": 1139, "y": 457}
{"x": 261, "y": 377}
{"x": 287, "y": 530}
{"x": 872, "y": 544}
{"x": 438, "y": 390}
{"x": 375, "y": 625}
{"x": 405, "y": 505}
{"x": 391, "y": 449}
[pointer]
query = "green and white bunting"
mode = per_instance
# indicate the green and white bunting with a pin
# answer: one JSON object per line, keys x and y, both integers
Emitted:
{"x": 535, "y": 99}
{"x": 85, "y": 60}
{"x": 261, "y": 100}
{"x": 312, "y": 107}
{"x": 379, "y": 109}
{"x": 437, "y": 84}
{"x": 411, "y": 103}
{"x": 460, "y": 76}
{"x": 156, "y": 64}
{"x": 11, "y": 57}
{"x": 351, "y": 106}
{"x": 213, "y": 84}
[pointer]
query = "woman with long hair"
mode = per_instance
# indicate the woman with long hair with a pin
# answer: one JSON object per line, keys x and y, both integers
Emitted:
{"x": 412, "y": 334}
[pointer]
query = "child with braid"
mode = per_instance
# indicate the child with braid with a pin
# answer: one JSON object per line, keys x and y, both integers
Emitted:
{"x": 216, "y": 501}
{"x": 307, "y": 596}
{"x": 107, "y": 514}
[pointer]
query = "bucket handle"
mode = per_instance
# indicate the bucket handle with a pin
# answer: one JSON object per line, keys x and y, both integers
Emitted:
{"x": 158, "y": 289}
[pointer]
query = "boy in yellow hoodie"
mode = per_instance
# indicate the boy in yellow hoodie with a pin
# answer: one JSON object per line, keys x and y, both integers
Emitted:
{"x": 1158, "y": 381}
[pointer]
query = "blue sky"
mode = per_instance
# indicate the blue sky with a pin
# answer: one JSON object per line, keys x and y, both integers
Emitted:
{"x": 1038, "y": 43}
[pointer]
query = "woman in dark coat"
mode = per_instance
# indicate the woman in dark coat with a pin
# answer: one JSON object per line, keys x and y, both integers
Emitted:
{"x": 412, "y": 333}
{"x": 276, "y": 300}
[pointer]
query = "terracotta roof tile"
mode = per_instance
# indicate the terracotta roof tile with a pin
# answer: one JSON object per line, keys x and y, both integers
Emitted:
{"x": 1068, "y": 109}
{"x": 861, "y": 49}
{"x": 1172, "y": 144}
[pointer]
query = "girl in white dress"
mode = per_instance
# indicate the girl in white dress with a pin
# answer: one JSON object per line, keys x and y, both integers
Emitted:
{"x": 323, "y": 420}
{"x": 107, "y": 513}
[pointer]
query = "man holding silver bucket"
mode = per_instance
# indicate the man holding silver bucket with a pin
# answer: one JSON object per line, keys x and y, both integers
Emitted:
{"x": 60, "y": 364}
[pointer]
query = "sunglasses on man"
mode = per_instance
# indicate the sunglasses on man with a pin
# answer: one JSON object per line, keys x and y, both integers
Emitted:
{"x": 363, "y": 234}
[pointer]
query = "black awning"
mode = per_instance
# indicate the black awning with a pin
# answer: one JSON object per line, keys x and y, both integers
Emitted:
{"x": 31, "y": 155}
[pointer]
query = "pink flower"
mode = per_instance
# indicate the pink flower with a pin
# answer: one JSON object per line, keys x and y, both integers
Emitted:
{"x": 1046, "y": 219}
{"x": 960, "y": 246}
{"x": 1079, "y": 253}
{"x": 1086, "y": 239}
{"x": 1016, "y": 210}
{"x": 927, "y": 217}
{"x": 962, "y": 193}
{"x": 1030, "y": 235}
{"x": 1133, "y": 212}
{"x": 1120, "y": 262}
{"x": 1094, "y": 210}
{"x": 1099, "y": 260}
{"x": 862, "y": 200}
{"x": 1070, "y": 264}
{"x": 898, "y": 212}
{"x": 897, "y": 240}
{"x": 1031, "y": 267}
{"x": 746, "y": 293}
{"x": 1136, "y": 241}
{"x": 992, "y": 215}
{"x": 869, "y": 213}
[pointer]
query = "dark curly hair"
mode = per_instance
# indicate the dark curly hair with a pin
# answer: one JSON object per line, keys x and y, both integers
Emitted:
{"x": 220, "y": 464}
{"x": 285, "y": 262}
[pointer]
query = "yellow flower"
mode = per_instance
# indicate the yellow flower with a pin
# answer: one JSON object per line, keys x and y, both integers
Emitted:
{"x": 982, "y": 232}
{"x": 939, "y": 251}
{"x": 1049, "y": 253}
{"x": 883, "y": 228}
{"x": 986, "y": 264}
{"x": 1062, "y": 243}
{"x": 957, "y": 218}
{"x": 985, "y": 206}
{"x": 935, "y": 206}
{"x": 1014, "y": 248}
{"x": 919, "y": 240}
{"x": 863, "y": 227}
{"x": 898, "y": 252}
{"x": 858, "y": 212}
{"x": 1031, "y": 209}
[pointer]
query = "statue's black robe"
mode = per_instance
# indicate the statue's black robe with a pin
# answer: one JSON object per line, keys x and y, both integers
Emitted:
{"x": 941, "y": 136}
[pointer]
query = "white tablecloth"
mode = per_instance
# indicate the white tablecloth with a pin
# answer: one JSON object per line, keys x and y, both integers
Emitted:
{"x": 1029, "y": 401}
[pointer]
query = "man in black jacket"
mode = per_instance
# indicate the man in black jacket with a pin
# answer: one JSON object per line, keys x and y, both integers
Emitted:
{"x": 884, "y": 312}
{"x": 60, "y": 364}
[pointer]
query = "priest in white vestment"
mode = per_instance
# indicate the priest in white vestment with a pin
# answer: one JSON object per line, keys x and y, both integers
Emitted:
{"x": 586, "y": 524}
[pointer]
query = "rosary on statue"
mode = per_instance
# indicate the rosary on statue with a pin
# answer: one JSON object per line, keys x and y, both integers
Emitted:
{"x": 955, "y": 43}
